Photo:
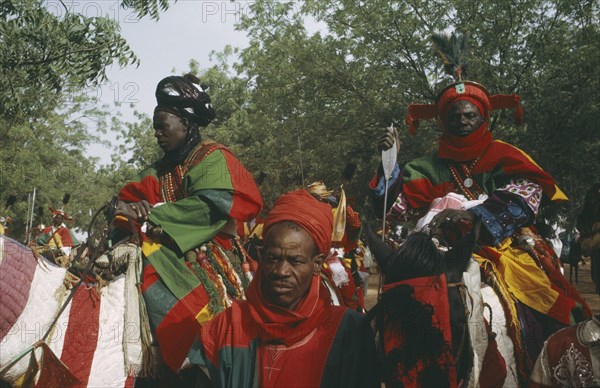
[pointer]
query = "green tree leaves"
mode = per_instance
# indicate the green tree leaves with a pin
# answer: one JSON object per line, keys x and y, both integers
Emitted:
{"x": 324, "y": 78}
{"x": 48, "y": 56}
{"x": 43, "y": 55}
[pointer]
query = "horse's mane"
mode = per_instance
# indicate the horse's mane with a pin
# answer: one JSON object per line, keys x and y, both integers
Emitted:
{"x": 405, "y": 317}
{"x": 417, "y": 257}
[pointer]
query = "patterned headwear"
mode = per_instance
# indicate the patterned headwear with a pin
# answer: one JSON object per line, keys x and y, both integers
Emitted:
{"x": 60, "y": 212}
{"x": 303, "y": 209}
{"x": 464, "y": 90}
{"x": 184, "y": 97}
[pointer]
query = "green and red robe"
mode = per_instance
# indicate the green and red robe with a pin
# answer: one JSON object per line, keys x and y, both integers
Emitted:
{"x": 184, "y": 285}
{"x": 59, "y": 237}
{"x": 255, "y": 344}
{"x": 521, "y": 276}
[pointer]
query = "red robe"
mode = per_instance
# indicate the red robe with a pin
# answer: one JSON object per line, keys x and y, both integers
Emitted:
{"x": 255, "y": 344}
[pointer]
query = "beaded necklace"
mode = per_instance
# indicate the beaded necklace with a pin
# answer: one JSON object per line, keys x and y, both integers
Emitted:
{"x": 245, "y": 263}
{"x": 171, "y": 180}
{"x": 463, "y": 178}
{"x": 210, "y": 283}
{"x": 221, "y": 264}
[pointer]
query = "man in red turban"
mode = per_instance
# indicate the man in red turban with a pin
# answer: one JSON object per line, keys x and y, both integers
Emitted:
{"x": 287, "y": 333}
{"x": 58, "y": 235}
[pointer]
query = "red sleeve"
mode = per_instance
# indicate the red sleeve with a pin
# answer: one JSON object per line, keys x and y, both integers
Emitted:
{"x": 247, "y": 202}
{"x": 147, "y": 188}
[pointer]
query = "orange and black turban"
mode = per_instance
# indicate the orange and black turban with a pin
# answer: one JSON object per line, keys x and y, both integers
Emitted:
{"x": 303, "y": 209}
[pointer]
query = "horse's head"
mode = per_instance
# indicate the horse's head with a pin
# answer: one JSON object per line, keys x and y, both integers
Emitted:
{"x": 419, "y": 256}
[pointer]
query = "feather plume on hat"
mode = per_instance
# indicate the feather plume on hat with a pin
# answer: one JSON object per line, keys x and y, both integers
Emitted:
{"x": 453, "y": 52}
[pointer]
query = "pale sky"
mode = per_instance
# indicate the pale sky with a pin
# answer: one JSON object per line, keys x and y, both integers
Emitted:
{"x": 189, "y": 29}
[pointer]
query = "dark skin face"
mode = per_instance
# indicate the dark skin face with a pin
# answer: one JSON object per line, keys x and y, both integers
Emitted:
{"x": 170, "y": 131}
{"x": 463, "y": 118}
{"x": 289, "y": 260}
{"x": 57, "y": 220}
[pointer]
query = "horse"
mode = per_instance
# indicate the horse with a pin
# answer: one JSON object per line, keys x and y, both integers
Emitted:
{"x": 504, "y": 332}
{"x": 75, "y": 322}
{"x": 88, "y": 324}
{"x": 420, "y": 317}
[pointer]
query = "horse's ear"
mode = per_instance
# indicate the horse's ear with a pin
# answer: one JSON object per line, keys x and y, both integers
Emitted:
{"x": 464, "y": 247}
{"x": 381, "y": 251}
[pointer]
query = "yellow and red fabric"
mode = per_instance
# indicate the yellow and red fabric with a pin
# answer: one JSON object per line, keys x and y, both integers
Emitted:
{"x": 61, "y": 237}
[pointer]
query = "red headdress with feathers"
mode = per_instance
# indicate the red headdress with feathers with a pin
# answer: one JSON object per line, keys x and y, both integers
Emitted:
{"x": 452, "y": 52}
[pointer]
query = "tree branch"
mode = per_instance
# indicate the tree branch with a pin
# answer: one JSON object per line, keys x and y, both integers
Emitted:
{"x": 54, "y": 58}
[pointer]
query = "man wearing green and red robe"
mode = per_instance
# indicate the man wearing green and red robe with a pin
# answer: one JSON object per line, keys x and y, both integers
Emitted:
{"x": 187, "y": 205}
{"x": 508, "y": 188}
{"x": 287, "y": 333}
{"x": 58, "y": 235}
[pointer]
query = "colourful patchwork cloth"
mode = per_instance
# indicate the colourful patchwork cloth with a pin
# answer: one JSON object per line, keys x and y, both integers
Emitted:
{"x": 186, "y": 281}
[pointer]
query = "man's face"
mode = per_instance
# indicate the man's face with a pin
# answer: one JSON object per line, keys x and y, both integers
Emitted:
{"x": 463, "y": 118}
{"x": 57, "y": 220}
{"x": 288, "y": 262}
{"x": 169, "y": 131}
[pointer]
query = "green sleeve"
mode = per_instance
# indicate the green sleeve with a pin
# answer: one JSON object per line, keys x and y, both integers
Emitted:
{"x": 42, "y": 239}
{"x": 197, "y": 218}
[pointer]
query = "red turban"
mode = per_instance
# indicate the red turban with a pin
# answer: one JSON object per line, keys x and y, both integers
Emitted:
{"x": 303, "y": 209}
{"x": 464, "y": 90}
{"x": 469, "y": 91}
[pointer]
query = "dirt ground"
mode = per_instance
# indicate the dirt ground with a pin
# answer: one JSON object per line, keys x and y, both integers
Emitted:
{"x": 585, "y": 286}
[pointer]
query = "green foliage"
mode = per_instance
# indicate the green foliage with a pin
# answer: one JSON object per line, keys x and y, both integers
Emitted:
{"x": 324, "y": 77}
{"x": 313, "y": 90}
{"x": 48, "y": 57}
{"x": 49, "y": 155}
{"x": 43, "y": 56}
{"x": 152, "y": 8}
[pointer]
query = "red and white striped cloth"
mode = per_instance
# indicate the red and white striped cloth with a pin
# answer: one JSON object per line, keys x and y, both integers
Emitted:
{"x": 88, "y": 337}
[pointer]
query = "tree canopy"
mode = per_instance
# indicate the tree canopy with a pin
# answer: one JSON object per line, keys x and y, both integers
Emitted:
{"x": 323, "y": 77}
{"x": 310, "y": 94}
{"x": 49, "y": 58}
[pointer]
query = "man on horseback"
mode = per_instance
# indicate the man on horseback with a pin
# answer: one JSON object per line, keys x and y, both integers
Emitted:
{"x": 287, "y": 332}
{"x": 186, "y": 206}
{"x": 57, "y": 235}
{"x": 502, "y": 186}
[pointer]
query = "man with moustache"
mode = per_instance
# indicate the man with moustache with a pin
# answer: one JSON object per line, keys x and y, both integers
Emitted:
{"x": 287, "y": 333}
